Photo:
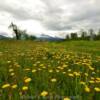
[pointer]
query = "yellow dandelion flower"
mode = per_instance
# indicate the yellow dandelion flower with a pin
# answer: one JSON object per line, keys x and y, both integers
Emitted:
{"x": 57, "y": 71}
{"x": 50, "y": 71}
{"x": 64, "y": 72}
{"x": 97, "y": 81}
{"x": 14, "y": 86}
{"x": 91, "y": 81}
{"x": 76, "y": 73}
{"x": 24, "y": 88}
{"x": 27, "y": 69}
{"x": 8, "y": 62}
{"x": 5, "y": 86}
{"x": 34, "y": 70}
{"x": 97, "y": 89}
{"x": 27, "y": 80}
{"x": 39, "y": 69}
{"x": 44, "y": 93}
{"x": 12, "y": 74}
{"x": 17, "y": 65}
{"x": 98, "y": 78}
{"x": 70, "y": 74}
{"x": 11, "y": 70}
{"x": 86, "y": 74}
{"x": 83, "y": 83}
{"x": 43, "y": 67}
{"x": 92, "y": 78}
{"x": 65, "y": 66}
{"x": 87, "y": 89}
{"x": 69, "y": 70}
{"x": 66, "y": 98}
{"x": 91, "y": 68}
{"x": 53, "y": 80}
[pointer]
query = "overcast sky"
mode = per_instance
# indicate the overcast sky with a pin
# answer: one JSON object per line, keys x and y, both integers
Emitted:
{"x": 49, "y": 16}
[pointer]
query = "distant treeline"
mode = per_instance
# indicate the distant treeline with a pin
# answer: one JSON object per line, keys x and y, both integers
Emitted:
{"x": 84, "y": 35}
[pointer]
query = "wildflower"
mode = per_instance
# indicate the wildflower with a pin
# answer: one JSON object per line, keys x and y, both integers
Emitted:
{"x": 50, "y": 71}
{"x": 87, "y": 89}
{"x": 10, "y": 70}
{"x": 91, "y": 81}
{"x": 77, "y": 73}
{"x": 43, "y": 67}
{"x": 92, "y": 78}
{"x": 71, "y": 75}
{"x": 97, "y": 81}
{"x": 86, "y": 74}
{"x": 57, "y": 71}
{"x": 66, "y": 98}
{"x": 64, "y": 72}
{"x": 34, "y": 70}
{"x": 83, "y": 83}
{"x": 69, "y": 70}
{"x": 8, "y": 62}
{"x": 93, "y": 73}
{"x": 27, "y": 80}
{"x": 65, "y": 66}
{"x": 98, "y": 78}
{"x": 44, "y": 93}
{"x": 12, "y": 74}
{"x": 14, "y": 86}
{"x": 53, "y": 80}
{"x": 24, "y": 88}
{"x": 17, "y": 65}
{"x": 39, "y": 69}
{"x": 97, "y": 89}
{"x": 5, "y": 86}
{"x": 91, "y": 68}
{"x": 27, "y": 69}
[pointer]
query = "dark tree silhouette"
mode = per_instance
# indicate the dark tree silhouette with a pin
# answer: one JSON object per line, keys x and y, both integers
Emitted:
{"x": 91, "y": 31}
{"x": 83, "y": 34}
{"x": 15, "y": 30}
{"x": 74, "y": 36}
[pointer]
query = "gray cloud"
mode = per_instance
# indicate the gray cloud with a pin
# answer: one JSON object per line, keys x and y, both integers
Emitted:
{"x": 84, "y": 14}
{"x": 57, "y": 15}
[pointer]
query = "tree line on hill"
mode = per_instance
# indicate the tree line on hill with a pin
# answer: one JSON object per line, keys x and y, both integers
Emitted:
{"x": 84, "y": 35}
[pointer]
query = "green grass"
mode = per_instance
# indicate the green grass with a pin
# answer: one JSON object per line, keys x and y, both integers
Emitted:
{"x": 70, "y": 63}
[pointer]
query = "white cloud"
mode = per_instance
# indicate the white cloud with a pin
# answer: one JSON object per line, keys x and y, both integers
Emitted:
{"x": 50, "y": 16}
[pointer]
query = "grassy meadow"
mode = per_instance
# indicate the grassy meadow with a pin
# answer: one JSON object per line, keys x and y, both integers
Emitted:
{"x": 32, "y": 70}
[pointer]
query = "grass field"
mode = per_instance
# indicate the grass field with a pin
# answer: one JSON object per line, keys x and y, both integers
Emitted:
{"x": 32, "y": 70}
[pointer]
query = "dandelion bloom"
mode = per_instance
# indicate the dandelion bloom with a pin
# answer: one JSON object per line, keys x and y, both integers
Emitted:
{"x": 97, "y": 89}
{"x": 87, "y": 89}
{"x": 14, "y": 86}
{"x": 27, "y": 69}
{"x": 91, "y": 81}
{"x": 44, "y": 93}
{"x": 53, "y": 80}
{"x": 50, "y": 71}
{"x": 34, "y": 70}
{"x": 66, "y": 98}
{"x": 5, "y": 86}
{"x": 83, "y": 83}
{"x": 11, "y": 70}
{"x": 27, "y": 80}
{"x": 71, "y": 75}
{"x": 57, "y": 71}
{"x": 24, "y": 88}
{"x": 12, "y": 74}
